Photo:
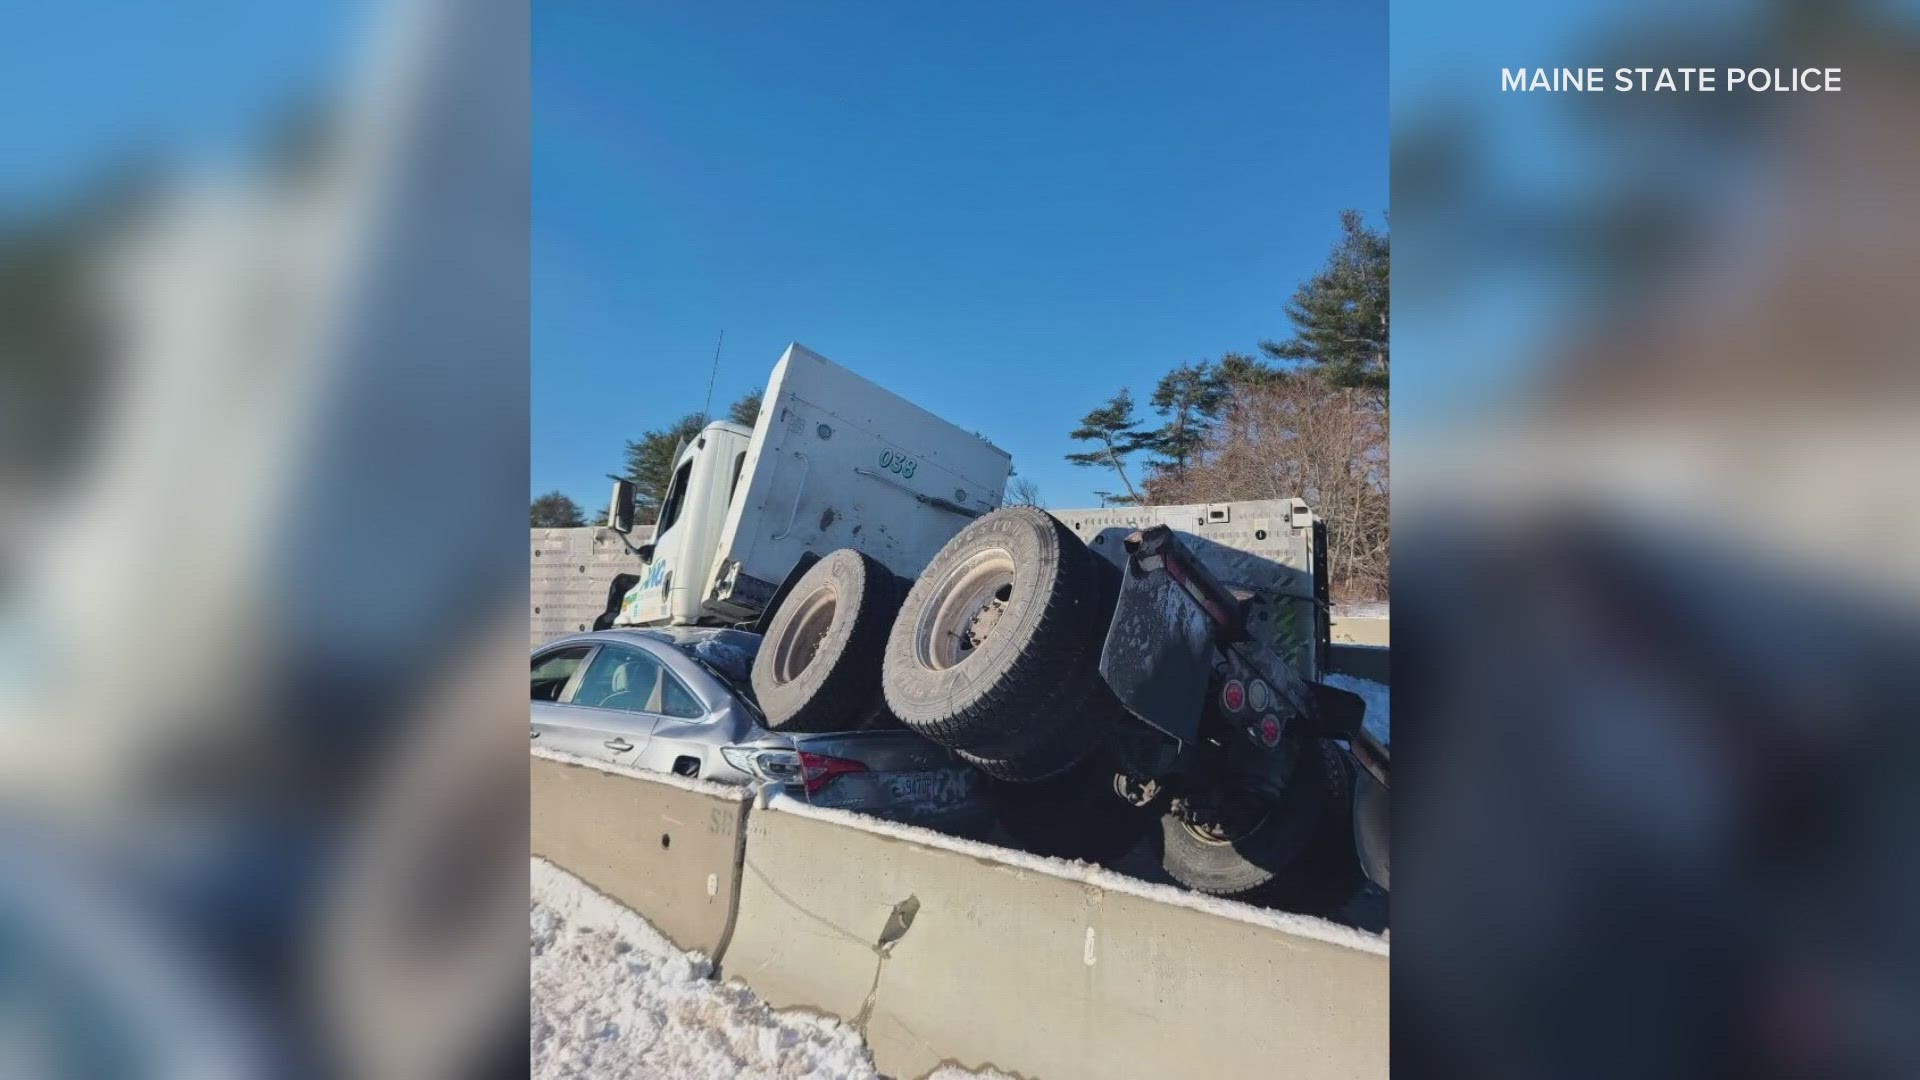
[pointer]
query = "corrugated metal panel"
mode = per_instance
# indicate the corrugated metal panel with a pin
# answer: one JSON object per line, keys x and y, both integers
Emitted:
{"x": 570, "y": 572}
{"x": 1259, "y": 548}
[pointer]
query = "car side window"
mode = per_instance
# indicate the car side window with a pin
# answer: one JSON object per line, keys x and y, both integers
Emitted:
{"x": 552, "y": 671}
{"x": 631, "y": 680}
{"x": 677, "y": 700}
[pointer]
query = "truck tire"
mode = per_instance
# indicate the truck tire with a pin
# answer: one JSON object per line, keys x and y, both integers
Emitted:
{"x": 818, "y": 668}
{"x": 996, "y": 652}
{"x": 1255, "y": 851}
{"x": 1030, "y": 757}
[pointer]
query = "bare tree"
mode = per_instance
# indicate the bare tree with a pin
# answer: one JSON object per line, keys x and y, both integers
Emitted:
{"x": 1301, "y": 435}
{"x": 1022, "y": 491}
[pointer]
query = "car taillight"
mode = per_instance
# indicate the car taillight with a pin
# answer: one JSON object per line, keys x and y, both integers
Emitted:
{"x": 819, "y": 770}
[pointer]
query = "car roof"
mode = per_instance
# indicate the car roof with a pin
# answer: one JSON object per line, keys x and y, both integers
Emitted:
{"x": 670, "y": 635}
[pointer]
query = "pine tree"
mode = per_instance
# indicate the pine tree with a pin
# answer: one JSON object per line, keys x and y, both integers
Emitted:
{"x": 1340, "y": 314}
{"x": 1112, "y": 426}
{"x": 650, "y": 458}
{"x": 746, "y": 410}
{"x": 650, "y": 462}
{"x": 1190, "y": 397}
{"x": 555, "y": 510}
{"x": 1239, "y": 369}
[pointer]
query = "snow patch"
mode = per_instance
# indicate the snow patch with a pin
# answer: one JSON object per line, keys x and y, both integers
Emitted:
{"x": 730, "y": 656}
{"x": 1363, "y": 609}
{"x": 737, "y": 792}
{"x": 1288, "y": 922}
{"x": 1379, "y": 699}
{"x": 612, "y": 997}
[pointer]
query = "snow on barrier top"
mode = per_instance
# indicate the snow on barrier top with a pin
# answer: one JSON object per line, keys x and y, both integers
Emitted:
{"x": 1099, "y": 877}
{"x": 684, "y": 783}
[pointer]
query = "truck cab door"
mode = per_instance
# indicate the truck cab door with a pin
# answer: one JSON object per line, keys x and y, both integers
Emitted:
{"x": 650, "y": 602}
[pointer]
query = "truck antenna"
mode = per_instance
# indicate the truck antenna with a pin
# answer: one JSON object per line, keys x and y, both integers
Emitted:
{"x": 706, "y": 410}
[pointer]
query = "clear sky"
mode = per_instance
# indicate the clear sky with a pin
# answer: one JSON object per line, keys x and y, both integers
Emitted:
{"x": 1003, "y": 211}
{"x": 188, "y": 83}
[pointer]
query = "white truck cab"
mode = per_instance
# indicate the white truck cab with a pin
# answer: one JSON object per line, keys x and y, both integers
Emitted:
{"x": 834, "y": 461}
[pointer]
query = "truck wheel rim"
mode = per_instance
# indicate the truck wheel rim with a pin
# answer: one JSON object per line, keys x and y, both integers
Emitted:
{"x": 965, "y": 609}
{"x": 801, "y": 642}
{"x": 1221, "y": 830}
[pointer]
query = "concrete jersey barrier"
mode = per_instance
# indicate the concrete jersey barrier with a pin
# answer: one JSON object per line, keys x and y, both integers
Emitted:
{"x": 943, "y": 951}
{"x": 1361, "y": 630}
{"x": 668, "y": 848}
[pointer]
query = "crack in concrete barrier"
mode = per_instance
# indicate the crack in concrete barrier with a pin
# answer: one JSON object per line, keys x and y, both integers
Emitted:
{"x": 899, "y": 921}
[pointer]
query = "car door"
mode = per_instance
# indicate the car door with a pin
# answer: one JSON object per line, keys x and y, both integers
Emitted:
{"x": 687, "y": 739}
{"x": 608, "y": 707}
{"x": 555, "y": 671}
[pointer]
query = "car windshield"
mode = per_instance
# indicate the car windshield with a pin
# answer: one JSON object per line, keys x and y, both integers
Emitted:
{"x": 728, "y": 656}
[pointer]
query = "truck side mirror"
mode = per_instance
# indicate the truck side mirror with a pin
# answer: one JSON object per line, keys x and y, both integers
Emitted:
{"x": 620, "y": 514}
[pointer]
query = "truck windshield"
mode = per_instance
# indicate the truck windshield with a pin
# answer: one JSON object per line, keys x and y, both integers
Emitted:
{"x": 676, "y": 495}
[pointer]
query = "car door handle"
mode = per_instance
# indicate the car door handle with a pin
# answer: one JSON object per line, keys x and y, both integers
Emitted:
{"x": 617, "y": 743}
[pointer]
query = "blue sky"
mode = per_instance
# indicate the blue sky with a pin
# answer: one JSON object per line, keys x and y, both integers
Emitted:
{"x": 189, "y": 82}
{"x": 1004, "y": 212}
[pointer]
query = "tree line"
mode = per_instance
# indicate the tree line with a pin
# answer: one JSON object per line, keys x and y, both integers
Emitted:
{"x": 649, "y": 464}
{"x": 1307, "y": 417}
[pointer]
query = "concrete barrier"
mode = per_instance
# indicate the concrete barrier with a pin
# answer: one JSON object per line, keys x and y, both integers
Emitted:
{"x": 942, "y": 951}
{"x": 1360, "y": 630}
{"x": 668, "y": 848}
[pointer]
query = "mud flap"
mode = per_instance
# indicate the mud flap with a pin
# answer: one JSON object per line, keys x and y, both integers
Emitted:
{"x": 1337, "y": 713}
{"x": 1159, "y": 652}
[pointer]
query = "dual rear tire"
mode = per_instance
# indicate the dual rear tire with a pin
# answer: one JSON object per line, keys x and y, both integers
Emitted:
{"x": 995, "y": 653}
{"x": 818, "y": 668}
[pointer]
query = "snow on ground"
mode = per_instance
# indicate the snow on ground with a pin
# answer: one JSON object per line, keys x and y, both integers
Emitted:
{"x": 1379, "y": 719}
{"x": 1362, "y": 609}
{"x": 614, "y": 999}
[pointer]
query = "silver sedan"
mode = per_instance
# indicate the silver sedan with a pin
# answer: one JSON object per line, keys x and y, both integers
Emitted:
{"x": 679, "y": 700}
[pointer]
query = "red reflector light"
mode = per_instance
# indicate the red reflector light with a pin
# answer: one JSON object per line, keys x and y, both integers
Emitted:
{"x": 1233, "y": 695}
{"x": 819, "y": 770}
